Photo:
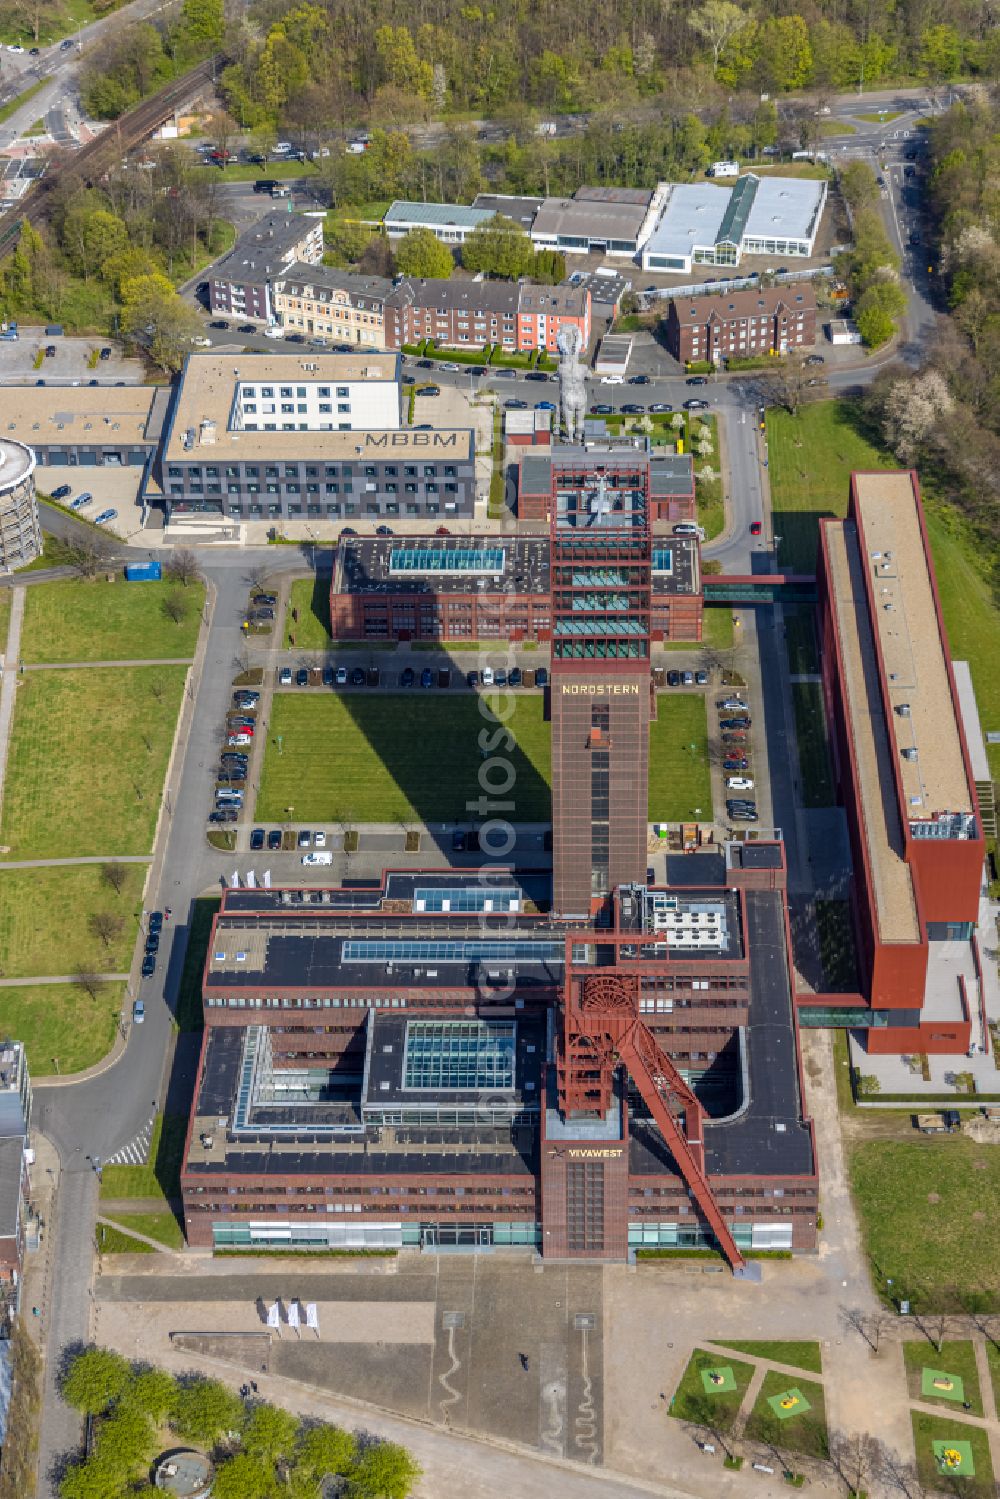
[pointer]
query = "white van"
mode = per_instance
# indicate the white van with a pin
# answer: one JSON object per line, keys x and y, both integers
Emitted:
{"x": 724, "y": 169}
{"x": 320, "y": 858}
{"x": 689, "y": 528}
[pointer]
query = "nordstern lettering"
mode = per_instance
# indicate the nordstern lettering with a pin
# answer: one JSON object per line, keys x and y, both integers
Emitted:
{"x": 600, "y": 689}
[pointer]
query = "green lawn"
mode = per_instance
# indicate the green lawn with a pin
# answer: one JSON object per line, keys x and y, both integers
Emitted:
{"x": 390, "y": 757}
{"x": 836, "y": 945}
{"x": 798, "y": 1355}
{"x": 679, "y": 780}
{"x": 804, "y": 1433}
{"x": 43, "y": 920}
{"x": 716, "y": 631}
{"x": 717, "y": 627}
{"x": 189, "y": 1008}
{"x": 972, "y": 618}
{"x": 993, "y": 1359}
{"x": 108, "y": 731}
{"x": 812, "y": 455}
{"x": 878, "y": 116}
{"x": 800, "y": 642}
{"x": 162, "y": 1176}
{"x": 929, "y": 1429}
{"x": 6, "y": 599}
{"x": 114, "y": 1241}
{"x": 955, "y": 1358}
{"x": 62, "y": 1028}
{"x": 691, "y": 1402}
{"x": 400, "y": 757}
{"x": 76, "y": 621}
{"x": 310, "y": 599}
{"x": 163, "y": 1227}
{"x": 936, "y": 1253}
{"x": 814, "y": 754}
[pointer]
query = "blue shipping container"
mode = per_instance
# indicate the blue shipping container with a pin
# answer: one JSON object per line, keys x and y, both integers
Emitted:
{"x": 142, "y": 572}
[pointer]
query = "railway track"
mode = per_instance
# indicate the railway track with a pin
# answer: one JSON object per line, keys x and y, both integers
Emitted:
{"x": 93, "y": 160}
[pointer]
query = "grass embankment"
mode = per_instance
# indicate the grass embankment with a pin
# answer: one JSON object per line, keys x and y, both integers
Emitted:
{"x": 926, "y": 1217}
{"x": 812, "y": 456}
{"x": 109, "y": 732}
{"x": 814, "y": 754}
{"x": 63, "y": 1027}
{"x": 307, "y": 618}
{"x": 38, "y": 934}
{"x": 72, "y": 621}
{"x": 161, "y": 1177}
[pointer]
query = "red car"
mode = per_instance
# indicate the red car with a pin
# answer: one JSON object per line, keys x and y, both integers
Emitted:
{"x": 755, "y": 528}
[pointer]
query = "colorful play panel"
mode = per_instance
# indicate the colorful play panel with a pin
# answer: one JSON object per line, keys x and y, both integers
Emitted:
{"x": 940, "y": 1385}
{"x": 720, "y": 1381}
{"x": 789, "y": 1403}
{"x": 954, "y": 1458}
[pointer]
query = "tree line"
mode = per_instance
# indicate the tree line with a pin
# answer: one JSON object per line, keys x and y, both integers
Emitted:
{"x": 260, "y": 1451}
{"x": 139, "y": 59}
{"x": 946, "y": 418}
{"x": 349, "y": 62}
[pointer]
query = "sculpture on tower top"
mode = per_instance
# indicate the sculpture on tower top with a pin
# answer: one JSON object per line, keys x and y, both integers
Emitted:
{"x": 572, "y": 381}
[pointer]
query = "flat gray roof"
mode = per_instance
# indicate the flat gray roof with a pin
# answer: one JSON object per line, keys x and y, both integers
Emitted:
{"x": 692, "y": 218}
{"x": 521, "y": 209}
{"x": 587, "y": 218}
{"x": 459, "y": 215}
{"x": 786, "y": 208}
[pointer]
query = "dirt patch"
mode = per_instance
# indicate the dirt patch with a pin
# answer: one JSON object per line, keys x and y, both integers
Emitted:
{"x": 933, "y": 1197}
{"x": 978, "y": 1217}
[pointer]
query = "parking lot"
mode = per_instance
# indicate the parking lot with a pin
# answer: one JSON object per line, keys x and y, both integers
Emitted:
{"x": 69, "y": 364}
{"x": 110, "y": 488}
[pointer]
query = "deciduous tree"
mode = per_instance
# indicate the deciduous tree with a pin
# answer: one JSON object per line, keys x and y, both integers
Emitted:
{"x": 420, "y": 253}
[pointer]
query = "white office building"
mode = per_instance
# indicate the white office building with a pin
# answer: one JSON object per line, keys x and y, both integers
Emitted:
{"x": 706, "y": 224}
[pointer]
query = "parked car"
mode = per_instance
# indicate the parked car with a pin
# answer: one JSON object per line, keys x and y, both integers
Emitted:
{"x": 488, "y": 676}
{"x": 659, "y": 407}
{"x": 274, "y": 840}
{"x": 638, "y": 380}
{"x": 739, "y": 783}
{"x": 319, "y": 839}
{"x": 320, "y": 858}
{"x": 515, "y": 405}
{"x": 328, "y": 676}
{"x": 740, "y": 763}
{"x": 734, "y": 736}
{"x": 285, "y": 677}
{"x": 514, "y": 677}
{"x": 814, "y": 359}
{"x": 81, "y": 500}
{"x": 105, "y": 517}
{"x": 383, "y": 530}
{"x": 755, "y": 528}
{"x": 731, "y": 703}
{"x": 427, "y": 677}
{"x": 138, "y": 1012}
{"x": 601, "y": 409}
{"x": 500, "y": 677}
{"x": 696, "y": 380}
{"x": 228, "y": 814}
{"x": 687, "y": 678}
{"x": 155, "y": 922}
{"x": 734, "y": 723}
{"x": 701, "y": 678}
{"x": 61, "y": 491}
{"x": 472, "y": 679}
{"x": 458, "y": 842}
{"x": 148, "y": 965}
{"x": 429, "y": 390}
{"x": 541, "y": 676}
{"x": 407, "y": 677}
{"x": 304, "y": 839}
{"x": 358, "y": 677}
{"x": 695, "y": 405}
{"x": 302, "y": 677}
{"x": 153, "y": 942}
{"x": 341, "y": 677}
{"x": 256, "y": 839}
{"x": 673, "y": 679}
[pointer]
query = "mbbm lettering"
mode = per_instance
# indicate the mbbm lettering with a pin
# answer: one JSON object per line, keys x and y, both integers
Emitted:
{"x": 600, "y": 689}
{"x": 411, "y": 439}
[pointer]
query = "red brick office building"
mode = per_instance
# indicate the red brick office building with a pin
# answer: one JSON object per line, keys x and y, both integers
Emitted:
{"x": 670, "y": 477}
{"x": 484, "y": 588}
{"x": 741, "y": 324}
{"x": 903, "y": 768}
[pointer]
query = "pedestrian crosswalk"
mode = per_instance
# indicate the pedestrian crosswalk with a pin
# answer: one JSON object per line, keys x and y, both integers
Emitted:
{"x": 136, "y": 1152}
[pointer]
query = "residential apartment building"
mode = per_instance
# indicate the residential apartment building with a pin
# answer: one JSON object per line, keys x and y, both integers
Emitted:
{"x": 518, "y": 317}
{"x": 741, "y": 324}
{"x": 241, "y": 282}
{"x": 323, "y": 302}
{"x": 15, "y": 1123}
